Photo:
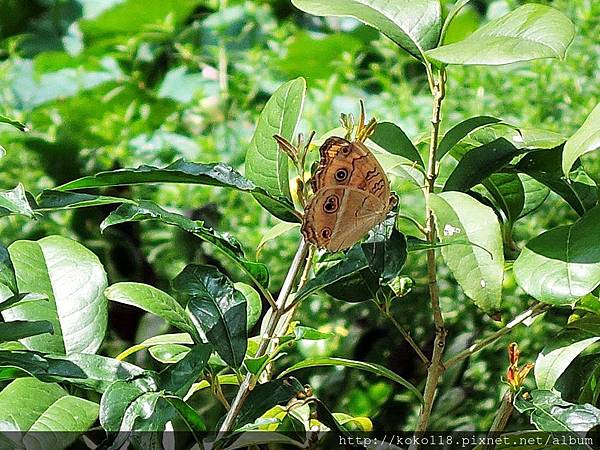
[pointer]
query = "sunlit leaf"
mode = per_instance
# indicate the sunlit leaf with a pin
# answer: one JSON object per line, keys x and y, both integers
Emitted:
{"x": 549, "y": 412}
{"x": 479, "y": 272}
{"x": 43, "y": 415}
{"x": 266, "y": 164}
{"x": 73, "y": 279}
{"x": 585, "y": 140}
{"x": 14, "y": 201}
{"x": 79, "y": 369}
{"x": 154, "y": 301}
{"x": 570, "y": 257}
{"x": 532, "y": 31}
{"x": 413, "y": 25}
{"x": 554, "y": 359}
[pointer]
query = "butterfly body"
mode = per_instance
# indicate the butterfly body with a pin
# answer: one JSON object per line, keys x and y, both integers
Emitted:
{"x": 351, "y": 195}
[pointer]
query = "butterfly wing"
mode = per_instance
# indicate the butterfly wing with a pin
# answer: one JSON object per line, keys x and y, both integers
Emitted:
{"x": 337, "y": 217}
{"x": 345, "y": 163}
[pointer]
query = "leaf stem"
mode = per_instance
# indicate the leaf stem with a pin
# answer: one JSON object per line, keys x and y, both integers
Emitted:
{"x": 436, "y": 368}
{"x": 413, "y": 221}
{"x": 270, "y": 323}
{"x": 533, "y": 311}
{"x": 404, "y": 334}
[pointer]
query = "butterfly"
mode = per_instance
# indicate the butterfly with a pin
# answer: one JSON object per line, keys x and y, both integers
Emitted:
{"x": 351, "y": 195}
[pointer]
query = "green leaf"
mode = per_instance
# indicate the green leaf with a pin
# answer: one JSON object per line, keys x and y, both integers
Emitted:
{"x": 14, "y": 201}
{"x": 256, "y": 365}
{"x": 385, "y": 251}
{"x": 68, "y": 414}
{"x": 549, "y": 412}
{"x": 585, "y": 140}
{"x": 147, "y": 415}
{"x": 392, "y": 139}
{"x": 24, "y": 400}
{"x": 168, "y": 353}
{"x": 532, "y": 31}
{"x": 344, "y": 271}
{"x": 589, "y": 323}
{"x": 79, "y": 369}
{"x": 479, "y": 272}
{"x": 377, "y": 369}
{"x": 154, "y": 301}
{"x": 570, "y": 257}
{"x": 412, "y": 25}
{"x": 218, "y": 309}
{"x": 301, "y": 332}
{"x": 554, "y": 359}
{"x": 479, "y": 163}
{"x": 21, "y": 299}
{"x": 53, "y": 200}
{"x": 162, "y": 339}
{"x": 19, "y": 329}
{"x": 254, "y": 308}
{"x": 266, "y": 165}
{"x": 181, "y": 171}
{"x": 43, "y": 415}
{"x": 7, "y": 271}
{"x": 15, "y": 123}
{"x": 189, "y": 415}
{"x": 327, "y": 418}
{"x": 264, "y": 396}
{"x": 456, "y": 8}
{"x": 273, "y": 233}
{"x": 459, "y": 131}
{"x": 73, "y": 279}
{"x": 359, "y": 274}
{"x": 178, "y": 378}
{"x": 581, "y": 193}
{"x": 117, "y": 398}
{"x": 516, "y": 195}
{"x": 224, "y": 242}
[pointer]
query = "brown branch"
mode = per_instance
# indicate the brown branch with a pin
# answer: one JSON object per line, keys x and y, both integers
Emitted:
{"x": 272, "y": 322}
{"x": 436, "y": 367}
{"x": 535, "y": 310}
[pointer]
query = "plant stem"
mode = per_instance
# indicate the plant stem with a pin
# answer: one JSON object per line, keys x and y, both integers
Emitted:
{"x": 436, "y": 368}
{"x": 272, "y": 322}
{"x": 405, "y": 334}
{"x": 501, "y": 419}
{"x": 535, "y": 310}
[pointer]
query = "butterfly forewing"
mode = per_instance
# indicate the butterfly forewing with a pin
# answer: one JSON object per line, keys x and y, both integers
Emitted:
{"x": 345, "y": 163}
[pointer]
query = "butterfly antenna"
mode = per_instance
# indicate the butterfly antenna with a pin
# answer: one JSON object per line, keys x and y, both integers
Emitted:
{"x": 361, "y": 118}
{"x": 286, "y": 147}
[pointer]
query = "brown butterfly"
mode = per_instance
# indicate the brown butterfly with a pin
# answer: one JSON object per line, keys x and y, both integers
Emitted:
{"x": 352, "y": 195}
